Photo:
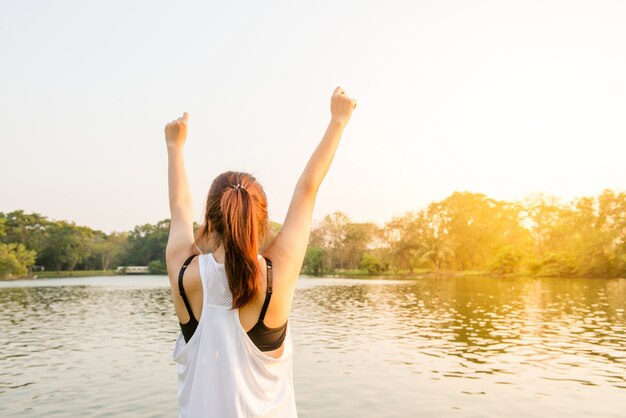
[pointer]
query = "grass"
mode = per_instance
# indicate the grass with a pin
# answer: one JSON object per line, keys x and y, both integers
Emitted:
{"x": 71, "y": 273}
{"x": 413, "y": 274}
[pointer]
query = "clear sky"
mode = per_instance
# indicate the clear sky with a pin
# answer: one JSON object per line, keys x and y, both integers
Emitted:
{"x": 505, "y": 98}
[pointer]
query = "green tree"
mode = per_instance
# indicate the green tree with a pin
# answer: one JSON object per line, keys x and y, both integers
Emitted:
{"x": 358, "y": 238}
{"x": 330, "y": 235}
{"x": 27, "y": 229}
{"x": 404, "y": 237}
{"x": 313, "y": 261}
{"x": 147, "y": 243}
{"x": 66, "y": 245}
{"x": 15, "y": 259}
{"x": 107, "y": 249}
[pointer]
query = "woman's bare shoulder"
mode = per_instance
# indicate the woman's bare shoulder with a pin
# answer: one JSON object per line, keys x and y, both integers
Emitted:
{"x": 191, "y": 275}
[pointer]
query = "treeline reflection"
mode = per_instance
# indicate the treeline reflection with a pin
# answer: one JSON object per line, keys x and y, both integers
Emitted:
{"x": 482, "y": 321}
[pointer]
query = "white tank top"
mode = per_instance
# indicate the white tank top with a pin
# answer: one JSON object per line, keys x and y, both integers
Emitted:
{"x": 221, "y": 373}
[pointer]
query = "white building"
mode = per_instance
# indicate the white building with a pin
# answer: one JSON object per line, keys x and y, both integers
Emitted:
{"x": 132, "y": 269}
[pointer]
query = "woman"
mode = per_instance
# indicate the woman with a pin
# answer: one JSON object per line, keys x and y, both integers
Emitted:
{"x": 234, "y": 354}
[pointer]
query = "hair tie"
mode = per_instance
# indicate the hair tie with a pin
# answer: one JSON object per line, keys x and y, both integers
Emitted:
{"x": 238, "y": 186}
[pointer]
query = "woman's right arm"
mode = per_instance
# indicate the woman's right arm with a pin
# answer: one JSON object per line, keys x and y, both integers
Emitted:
{"x": 289, "y": 247}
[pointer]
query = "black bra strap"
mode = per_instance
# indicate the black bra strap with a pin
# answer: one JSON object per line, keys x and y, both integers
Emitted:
{"x": 268, "y": 295}
{"x": 181, "y": 290}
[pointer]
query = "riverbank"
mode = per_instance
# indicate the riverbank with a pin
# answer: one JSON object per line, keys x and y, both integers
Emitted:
{"x": 418, "y": 274}
{"x": 61, "y": 274}
{"x": 356, "y": 274}
{"x": 424, "y": 273}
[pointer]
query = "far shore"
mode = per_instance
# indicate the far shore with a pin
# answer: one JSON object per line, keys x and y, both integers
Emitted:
{"x": 352, "y": 274}
{"x": 61, "y": 274}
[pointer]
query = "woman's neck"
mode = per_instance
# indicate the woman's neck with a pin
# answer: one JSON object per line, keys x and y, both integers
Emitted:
{"x": 219, "y": 254}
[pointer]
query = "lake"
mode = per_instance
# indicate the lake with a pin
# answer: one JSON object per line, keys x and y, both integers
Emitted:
{"x": 446, "y": 347}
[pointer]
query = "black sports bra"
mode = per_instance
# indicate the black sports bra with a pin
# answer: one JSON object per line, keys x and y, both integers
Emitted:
{"x": 265, "y": 338}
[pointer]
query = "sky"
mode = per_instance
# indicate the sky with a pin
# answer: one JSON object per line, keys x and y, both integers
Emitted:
{"x": 505, "y": 98}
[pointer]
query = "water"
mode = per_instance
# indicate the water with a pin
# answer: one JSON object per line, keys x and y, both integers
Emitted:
{"x": 462, "y": 347}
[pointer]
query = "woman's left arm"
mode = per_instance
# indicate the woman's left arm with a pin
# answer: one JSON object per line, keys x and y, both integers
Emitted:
{"x": 180, "y": 243}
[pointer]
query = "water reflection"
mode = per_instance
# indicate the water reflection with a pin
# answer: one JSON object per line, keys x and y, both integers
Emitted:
{"x": 471, "y": 346}
{"x": 86, "y": 349}
{"x": 510, "y": 340}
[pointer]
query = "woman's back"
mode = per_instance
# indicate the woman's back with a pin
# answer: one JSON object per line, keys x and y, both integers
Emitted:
{"x": 221, "y": 371}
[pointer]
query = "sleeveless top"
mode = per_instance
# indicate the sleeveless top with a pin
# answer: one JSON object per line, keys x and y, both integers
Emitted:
{"x": 221, "y": 372}
{"x": 262, "y": 336}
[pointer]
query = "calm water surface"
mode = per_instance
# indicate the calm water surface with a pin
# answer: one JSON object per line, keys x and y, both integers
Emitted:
{"x": 460, "y": 347}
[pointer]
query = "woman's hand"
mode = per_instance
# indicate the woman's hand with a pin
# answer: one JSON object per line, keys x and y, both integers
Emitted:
{"x": 176, "y": 131}
{"x": 288, "y": 249}
{"x": 341, "y": 106}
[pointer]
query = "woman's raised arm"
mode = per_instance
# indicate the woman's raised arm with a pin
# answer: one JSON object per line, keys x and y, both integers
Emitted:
{"x": 180, "y": 243}
{"x": 288, "y": 249}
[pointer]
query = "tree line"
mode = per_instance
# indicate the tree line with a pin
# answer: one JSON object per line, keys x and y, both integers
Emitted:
{"x": 540, "y": 235}
{"x": 32, "y": 240}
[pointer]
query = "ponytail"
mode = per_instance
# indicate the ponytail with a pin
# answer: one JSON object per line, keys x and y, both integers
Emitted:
{"x": 236, "y": 216}
{"x": 240, "y": 239}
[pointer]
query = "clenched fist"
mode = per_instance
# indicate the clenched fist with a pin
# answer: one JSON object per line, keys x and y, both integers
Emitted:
{"x": 176, "y": 131}
{"x": 341, "y": 106}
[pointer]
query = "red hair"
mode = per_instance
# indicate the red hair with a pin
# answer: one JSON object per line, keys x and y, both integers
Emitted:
{"x": 236, "y": 216}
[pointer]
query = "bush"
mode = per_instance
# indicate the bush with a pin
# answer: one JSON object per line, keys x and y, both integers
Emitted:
{"x": 157, "y": 267}
{"x": 555, "y": 265}
{"x": 620, "y": 265}
{"x": 508, "y": 260}
{"x": 372, "y": 264}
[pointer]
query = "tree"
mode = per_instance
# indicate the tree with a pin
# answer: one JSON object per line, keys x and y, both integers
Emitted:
{"x": 467, "y": 228}
{"x": 15, "y": 259}
{"x": 436, "y": 251}
{"x": 108, "y": 248}
{"x": 404, "y": 236}
{"x": 357, "y": 239}
{"x": 313, "y": 261}
{"x": 612, "y": 212}
{"x": 66, "y": 245}
{"x": 27, "y": 229}
{"x": 330, "y": 235}
{"x": 147, "y": 243}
